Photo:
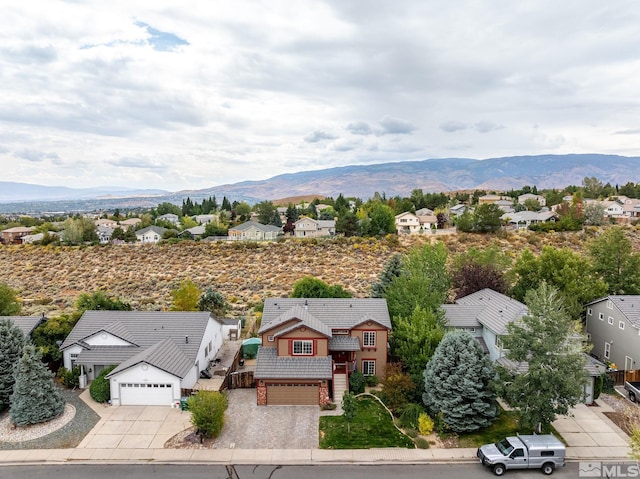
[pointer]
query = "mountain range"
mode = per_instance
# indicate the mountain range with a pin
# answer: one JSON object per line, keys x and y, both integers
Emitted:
{"x": 399, "y": 178}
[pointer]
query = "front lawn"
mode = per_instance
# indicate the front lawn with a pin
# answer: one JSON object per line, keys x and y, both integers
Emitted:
{"x": 371, "y": 427}
{"x": 505, "y": 425}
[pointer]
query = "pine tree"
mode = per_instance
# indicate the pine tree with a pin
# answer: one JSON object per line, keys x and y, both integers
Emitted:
{"x": 11, "y": 343}
{"x": 36, "y": 398}
{"x": 459, "y": 384}
{"x": 392, "y": 269}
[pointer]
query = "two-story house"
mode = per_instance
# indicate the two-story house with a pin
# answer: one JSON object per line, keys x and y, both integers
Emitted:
{"x": 310, "y": 228}
{"x": 542, "y": 201}
{"x": 613, "y": 327}
{"x": 310, "y": 346}
{"x": 408, "y": 223}
{"x": 486, "y": 314}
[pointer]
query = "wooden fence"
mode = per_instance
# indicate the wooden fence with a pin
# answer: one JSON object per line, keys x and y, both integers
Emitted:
{"x": 619, "y": 377}
{"x": 235, "y": 379}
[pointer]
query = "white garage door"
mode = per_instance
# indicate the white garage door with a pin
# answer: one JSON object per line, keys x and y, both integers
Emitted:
{"x": 134, "y": 394}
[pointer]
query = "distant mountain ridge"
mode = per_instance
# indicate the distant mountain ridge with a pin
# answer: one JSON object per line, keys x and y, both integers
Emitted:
{"x": 400, "y": 178}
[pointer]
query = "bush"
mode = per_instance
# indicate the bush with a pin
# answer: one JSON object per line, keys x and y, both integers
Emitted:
{"x": 70, "y": 378}
{"x": 207, "y": 412}
{"x": 398, "y": 388}
{"x": 100, "y": 390}
{"x": 608, "y": 384}
{"x": 597, "y": 387}
{"x": 425, "y": 424}
{"x": 356, "y": 382}
{"x": 421, "y": 443}
{"x": 410, "y": 414}
{"x": 412, "y": 433}
{"x": 371, "y": 381}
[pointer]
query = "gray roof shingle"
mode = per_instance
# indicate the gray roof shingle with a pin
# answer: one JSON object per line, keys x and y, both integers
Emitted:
{"x": 270, "y": 366}
{"x": 344, "y": 343}
{"x": 165, "y": 355}
{"x": 144, "y": 330}
{"x": 495, "y": 310}
{"x": 26, "y": 324}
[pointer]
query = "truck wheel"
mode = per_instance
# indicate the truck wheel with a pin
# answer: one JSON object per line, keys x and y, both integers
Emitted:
{"x": 632, "y": 396}
{"x": 498, "y": 469}
{"x": 547, "y": 468}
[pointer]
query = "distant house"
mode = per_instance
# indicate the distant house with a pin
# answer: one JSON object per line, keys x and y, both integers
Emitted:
{"x": 158, "y": 354}
{"x": 310, "y": 228}
{"x": 150, "y": 234}
{"x": 104, "y": 222}
{"x": 491, "y": 199}
{"x": 311, "y": 346}
{"x": 205, "y": 219}
{"x": 170, "y": 217}
{"x": 424, "y": 212}
{"x": 104, "y": 233}
{"x": 130, "y": 222}
{"x": 524, "y": 219}
{"x": 458, "y": 209}
{"x": 613, "y": 327}
{"x": 486, "y": 314}
{"x": 195, "y": 232}
{"x": 13, "y": 235}
{"x": 408, "y": 223}
{"x": 529, "y": 196}
{"x": 252, "y": 230}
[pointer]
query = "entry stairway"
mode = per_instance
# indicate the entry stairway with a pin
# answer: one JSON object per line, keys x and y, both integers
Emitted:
{"x": 339, "y": 387}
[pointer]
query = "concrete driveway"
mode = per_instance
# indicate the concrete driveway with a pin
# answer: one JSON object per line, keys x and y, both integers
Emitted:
{"x": 133, "y": 427}
{"x": 249, "y": 426}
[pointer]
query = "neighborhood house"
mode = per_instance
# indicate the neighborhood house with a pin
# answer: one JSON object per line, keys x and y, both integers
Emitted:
{"x": 310, "y": 346}
{"x": 158, "y": 354}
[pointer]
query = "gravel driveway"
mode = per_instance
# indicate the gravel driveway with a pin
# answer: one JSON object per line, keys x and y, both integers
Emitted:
{"x": 249, "y": 426}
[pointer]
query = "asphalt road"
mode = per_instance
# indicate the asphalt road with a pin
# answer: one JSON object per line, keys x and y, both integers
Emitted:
{"x": 157, "y": 471}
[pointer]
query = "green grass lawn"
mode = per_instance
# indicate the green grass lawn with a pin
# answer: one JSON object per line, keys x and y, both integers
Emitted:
{"x": 371, "y": 427}
{"x": 505, "y": 425}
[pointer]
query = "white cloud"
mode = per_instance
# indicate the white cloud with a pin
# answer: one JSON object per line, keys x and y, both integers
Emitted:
{"x": 192, "y": 95}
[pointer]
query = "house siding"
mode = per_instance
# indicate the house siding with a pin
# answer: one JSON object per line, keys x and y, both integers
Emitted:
{"x": 138, "y": 374}
{"x": 623, "y": 342}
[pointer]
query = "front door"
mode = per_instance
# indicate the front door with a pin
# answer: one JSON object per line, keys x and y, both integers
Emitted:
{"x": 340, "y": 359}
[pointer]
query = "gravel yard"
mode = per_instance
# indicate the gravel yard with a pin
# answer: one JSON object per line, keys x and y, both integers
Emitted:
{"x": 72, "y": 426}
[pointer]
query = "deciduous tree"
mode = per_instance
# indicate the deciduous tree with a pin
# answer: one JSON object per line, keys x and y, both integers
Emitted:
{"x": 548, "y": 340}
{"x": 310, "y": 287}
{"x": 9, "y": 303}
{"x": 615, "y": 261}
{"x": 186, "y": 297}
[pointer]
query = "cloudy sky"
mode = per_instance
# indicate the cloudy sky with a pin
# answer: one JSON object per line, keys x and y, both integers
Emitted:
{"x": 192, "y": 94}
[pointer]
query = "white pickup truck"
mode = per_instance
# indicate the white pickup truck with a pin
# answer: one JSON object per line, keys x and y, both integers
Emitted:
{"x": 538, "y": 451}
{"x": 633, "y": 390}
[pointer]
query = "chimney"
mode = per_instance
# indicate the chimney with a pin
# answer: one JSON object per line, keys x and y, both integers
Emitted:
{"x": 186, "y": 339}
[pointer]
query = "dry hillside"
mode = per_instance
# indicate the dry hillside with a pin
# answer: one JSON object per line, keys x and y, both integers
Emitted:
{"x": 49, "y": 279}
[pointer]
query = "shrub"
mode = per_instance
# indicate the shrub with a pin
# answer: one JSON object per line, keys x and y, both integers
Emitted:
{"x": 410, "y": 414}
{"x": 356, "y": 382}
{"x": 100, "y": 389}
{"x": 425, "y": 424}
{"x": 207, "y": 412}
{"x": 608, "y": 384}
{"x": 412, "y": 433}
{"x": 70, "y": 378}
{"x": 421, "y": 443}
{"x": 371, "y": 381}
{"x": 397, "y": 387}
{"x": 597, "y": 387}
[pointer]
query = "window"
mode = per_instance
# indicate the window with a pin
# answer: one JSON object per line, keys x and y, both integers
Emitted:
{"x": 607, "y": 350}
{"x": 547, "y": 453}
{"x": 73, "y": 357}
{"x": 369, "y": 339}
{"x": 368, "y": 367}
{"x": 610, "y": 320}
{"x": 609, "y": 304}
{"x": 621, "y": 324}
{"x": 303, "y": 347}
{"x": 271, "y": 338}
{"x": 589, "y": 311}
{"x": 472, "y": 330}
{"x": 601, "y": 316}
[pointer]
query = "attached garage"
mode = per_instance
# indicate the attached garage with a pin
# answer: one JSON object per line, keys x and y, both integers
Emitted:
{"x": 145, "y": 394}
{"x": 293, "y": 394}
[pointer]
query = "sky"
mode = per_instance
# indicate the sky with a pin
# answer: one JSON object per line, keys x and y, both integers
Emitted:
{"x": 194, "y": 94}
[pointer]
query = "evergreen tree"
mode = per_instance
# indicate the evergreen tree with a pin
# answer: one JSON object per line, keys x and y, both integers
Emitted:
{"x": 36, "y": 398}
{"x": 459, "y": 384}
{"x": 392, "y": 269}
{"x": 225, "y": 204}
{"x": 547, "y": 340}
{"x": 12, "y": 342}
{"x": 213, "y": 301}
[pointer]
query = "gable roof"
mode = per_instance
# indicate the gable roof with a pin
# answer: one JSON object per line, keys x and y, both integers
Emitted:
{"x": 271, "y": 366}
{"x": 145, "y": 330}
{"x": 627, "y": 304}
{"x": 259, "y": 226}
{"x": 493, "y": 310}
{"x": 26, "y": 324}
{"x": 333, "y": 313}
{"x": 165, "y": 355}
{"x": 156, "y": 229}
{"x": 299, "y": 317}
